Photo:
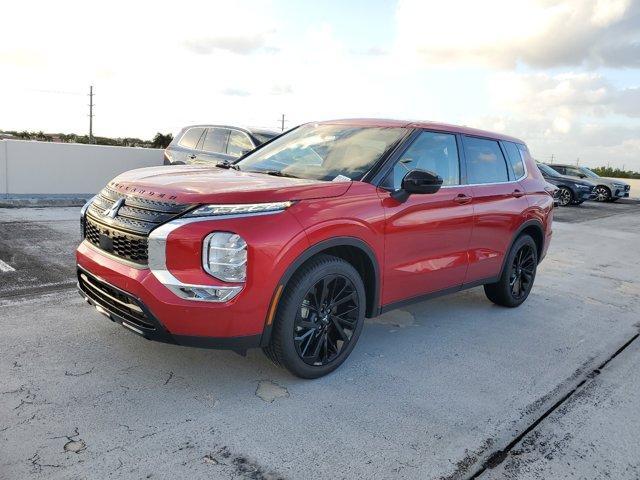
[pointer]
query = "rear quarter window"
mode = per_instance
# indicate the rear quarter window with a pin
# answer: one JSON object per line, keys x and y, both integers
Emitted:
{"x": 516, "y": 158}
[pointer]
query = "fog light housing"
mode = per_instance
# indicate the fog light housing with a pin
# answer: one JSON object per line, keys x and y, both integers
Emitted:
{"x": 224, "y": 256}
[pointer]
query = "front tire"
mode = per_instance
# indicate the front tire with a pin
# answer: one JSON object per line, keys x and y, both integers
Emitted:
{"x": 518, "y": 276}
{"x": 603, "y": 194}
{"x": 319, "y": 318}
{"x": 565, "y": 196}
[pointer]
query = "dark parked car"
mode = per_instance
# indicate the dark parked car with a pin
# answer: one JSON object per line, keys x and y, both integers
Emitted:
{"x": 607, "y": 189}
{"x": 570, "y": 190}
{"x": 211, "y": 144}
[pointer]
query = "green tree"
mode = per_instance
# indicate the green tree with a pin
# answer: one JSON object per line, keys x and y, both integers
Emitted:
{"x": 161, "y": 141}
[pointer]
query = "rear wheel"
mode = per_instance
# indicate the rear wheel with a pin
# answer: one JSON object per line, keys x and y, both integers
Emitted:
{"x": 603, "y": 194}
{"x": 319, "y": 318}
{"x": 565, "y": 197}
{"x": 518, "y": 276}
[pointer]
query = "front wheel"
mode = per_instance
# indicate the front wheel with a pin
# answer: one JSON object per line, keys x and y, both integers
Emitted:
{"x": 319, "y": 318}
{"x": 565, "y": 197}
{"x": 603, "y": 194}
{"x": 518, "y": 276}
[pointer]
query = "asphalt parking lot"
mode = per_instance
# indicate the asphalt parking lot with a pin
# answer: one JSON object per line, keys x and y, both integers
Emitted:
{"x": 451, "y": 388}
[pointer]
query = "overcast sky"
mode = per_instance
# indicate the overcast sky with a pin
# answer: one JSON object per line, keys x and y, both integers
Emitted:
{"x": 564, "y": 75}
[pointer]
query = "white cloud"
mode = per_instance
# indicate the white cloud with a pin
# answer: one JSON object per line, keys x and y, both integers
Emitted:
{"x": 540, "y": 33}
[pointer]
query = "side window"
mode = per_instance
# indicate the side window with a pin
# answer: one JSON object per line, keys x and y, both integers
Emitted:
{"x": 516, "y": 159}
{"x": 560, "y": 170}
{"x": 191, "y": 137}
{"x": 574, "y": 172}
{"x": 216, "y": 140}
{"x": 239, "y": 144}
{"x": 435, "y": 152}
{"x": 485, "y": 162}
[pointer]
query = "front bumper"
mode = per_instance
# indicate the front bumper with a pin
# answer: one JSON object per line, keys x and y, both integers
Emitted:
{"x": 129, "y": 311}
{"x": 622, "y": 192}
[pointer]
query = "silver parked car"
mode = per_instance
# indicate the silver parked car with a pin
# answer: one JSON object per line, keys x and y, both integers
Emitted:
{"x": 607, "y": 189}
{"x": 211, "y": 144}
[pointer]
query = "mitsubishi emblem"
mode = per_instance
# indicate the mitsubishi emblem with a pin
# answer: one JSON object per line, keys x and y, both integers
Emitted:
{"x": 113, "y": 211}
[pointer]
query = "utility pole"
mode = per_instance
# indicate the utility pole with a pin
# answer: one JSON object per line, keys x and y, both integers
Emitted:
{"x": 91, "y": 114}
{"x": 552, "y": 158}
{"x": 282, "y": 123}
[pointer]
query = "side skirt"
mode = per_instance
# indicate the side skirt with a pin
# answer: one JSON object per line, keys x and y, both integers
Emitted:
{"x": 439, "y": 293}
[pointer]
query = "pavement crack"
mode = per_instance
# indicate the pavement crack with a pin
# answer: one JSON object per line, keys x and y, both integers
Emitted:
{"x": 78, "y": 374}
{"x": 499, "y": 456}
{"x": 169, "y": 378}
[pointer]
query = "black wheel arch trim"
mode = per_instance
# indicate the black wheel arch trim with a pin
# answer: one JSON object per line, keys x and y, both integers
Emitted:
{"x": 373, "y": 307}
{"x": 529, "y": 223}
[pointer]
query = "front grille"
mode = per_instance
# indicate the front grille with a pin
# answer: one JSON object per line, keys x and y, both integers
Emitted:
{"x": 627, "y": 188}
{"x": 114, "y": 301}
{"x": 125, "y": 233}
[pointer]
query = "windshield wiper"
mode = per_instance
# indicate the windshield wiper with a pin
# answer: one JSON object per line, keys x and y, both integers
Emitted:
{"x": 274, "y": 173}
{"x": 228, "y": 164}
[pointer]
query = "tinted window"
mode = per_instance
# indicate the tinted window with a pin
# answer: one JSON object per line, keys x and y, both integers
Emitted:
{"x": 515, "y": 158}
{"x": 560, "y": 170}
{"x": 216, "y": 140}
{"x": 191, "y": 137}
{"x": 485, "y": 163}
{"x": 239, "y": 144}
{"x": 574, "y": 172}
{"x": 434, "y": 152}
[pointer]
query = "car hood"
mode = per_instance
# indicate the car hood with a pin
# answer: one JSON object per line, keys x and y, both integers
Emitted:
{"x": 200, "y": 184}
{"x": 611, "y": 181}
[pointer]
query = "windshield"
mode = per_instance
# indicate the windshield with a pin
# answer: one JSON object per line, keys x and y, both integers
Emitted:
{"x": 263, "y": 137}
{"x": 589, "y": 173}
{"x": 324, "y": 152}
{"x": 547, "y": 170}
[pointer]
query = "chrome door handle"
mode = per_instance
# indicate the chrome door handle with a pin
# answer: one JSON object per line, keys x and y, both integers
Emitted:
{"x": 462, "y": 199}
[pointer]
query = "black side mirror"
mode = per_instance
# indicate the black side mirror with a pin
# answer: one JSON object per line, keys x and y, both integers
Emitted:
{"x": 417, "y": 181}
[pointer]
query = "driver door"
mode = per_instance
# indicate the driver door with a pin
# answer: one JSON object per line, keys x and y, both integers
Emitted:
{"x": 427, "y": 236}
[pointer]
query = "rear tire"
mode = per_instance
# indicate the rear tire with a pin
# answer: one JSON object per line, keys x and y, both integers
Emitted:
{"x": 518, "y": 276}
{"x": 319, "y": 318}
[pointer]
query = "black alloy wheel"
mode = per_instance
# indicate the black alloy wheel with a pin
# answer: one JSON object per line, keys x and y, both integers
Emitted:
{"x": 522, "y": 272}
{"x": 518, "y": 274}
{"x": 319, "y": 317}
{"x": 326, "y": 320}
{"x": 565, "y": 197}
{"x": 603, "y": 194}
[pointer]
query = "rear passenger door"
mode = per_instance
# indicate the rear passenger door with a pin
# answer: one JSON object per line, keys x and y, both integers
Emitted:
{"x": 213, "y": 147}
{"x": 499, "y": 204}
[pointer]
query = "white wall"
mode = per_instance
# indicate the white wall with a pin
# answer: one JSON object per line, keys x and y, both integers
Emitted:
{"x": 59, "y": 169}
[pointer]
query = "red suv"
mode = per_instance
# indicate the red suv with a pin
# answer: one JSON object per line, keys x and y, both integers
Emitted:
{"x": 293, "y": 245}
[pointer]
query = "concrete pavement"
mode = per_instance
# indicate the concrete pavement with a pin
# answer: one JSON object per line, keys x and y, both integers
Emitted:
{"x": 430, "y": 391}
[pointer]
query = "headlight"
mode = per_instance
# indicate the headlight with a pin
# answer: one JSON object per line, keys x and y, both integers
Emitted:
{"x": 238, "y": 209}
{"x": 224, "y": 256}
{"x": 585, "y": 187}
{"x": 618, "y": 185}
